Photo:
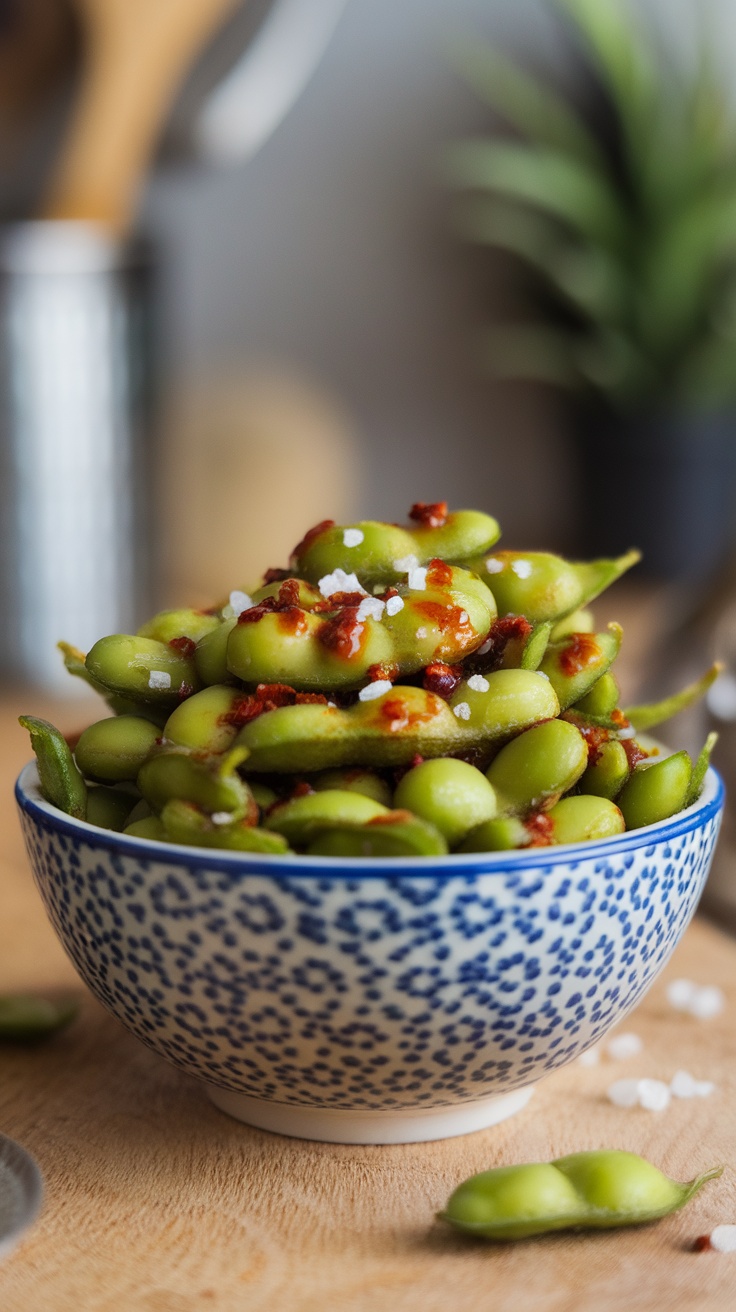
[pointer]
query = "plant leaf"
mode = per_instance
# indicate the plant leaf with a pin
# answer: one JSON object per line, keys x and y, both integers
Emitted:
{"x": 530, "y": 352}
{"x": 548, "y": 180}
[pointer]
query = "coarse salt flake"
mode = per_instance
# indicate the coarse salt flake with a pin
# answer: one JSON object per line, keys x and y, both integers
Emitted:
{"x": 624, "y": 1093}
{"x": 623, "y": 1046}
{"x": 239, "y": 601}
{"x": 394, "y": 605}
{"x": 339, "y": 581}
{"x": 485, "y": 648}
{"x": 352, "y": 537}
{"x": 493, "y": 565}
{"x": 221, "y": 817}
{"x": 478, "y": 683}
{"x": 405, "y": 564}
{"x": 707, "y": 1003}
{"x": 542, "y": 675}
{"x": 680, "y": 993}
{"x": 654, "y": 1095}
{"x": 417, "y": 578}
{"x": 723, "y": 1239}
{"x": 590, "y": 1058}
{"x": 684, "y": 1085}
{"x": 370, "y": 608}
{"x": 624, "y": 734}
{"x": 462, "y": 711}
{"x": 375, "y": 689}
{"x": 522, "y": 568}
{"x": 159, "y": 679}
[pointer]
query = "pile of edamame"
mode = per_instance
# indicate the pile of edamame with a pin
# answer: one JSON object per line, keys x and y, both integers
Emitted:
{"x": 396, "y": 691}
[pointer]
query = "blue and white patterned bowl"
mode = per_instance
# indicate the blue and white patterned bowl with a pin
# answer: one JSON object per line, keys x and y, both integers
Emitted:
{"x": 367, "y": 1000}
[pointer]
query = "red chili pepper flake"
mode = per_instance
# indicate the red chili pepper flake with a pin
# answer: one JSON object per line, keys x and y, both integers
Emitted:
{"x": 540, "y": 828}
{"x": 702, "y": 1244}
{"x": 634, "y": 753}
{"x": 390, "y": 592}
{"x": 286, "y": 601}
{"x": 439, "y": 574}
{"x": 310, "y": 537}
{"x": 345, "y": 634}
{"x": 580, "y": 651}
{"x": 302, "y": 789}
{"x": 595, "y": 735}
{"x": 184, "y": 690}
{"x": 268, "y": 697}
{"x": 275, "y": 575}
{"x": 293, "y": 620}
{"x": 509, "y": 628}
{"x": 337, "y": 601}
{"x": 451, "y": 620}
{"x": 430, "y": 514}
{"x": 442, "y": 679}
{"x": 393, "y": 818}
{"x": 185, "y": 645}
{"x": 383, "y": 670}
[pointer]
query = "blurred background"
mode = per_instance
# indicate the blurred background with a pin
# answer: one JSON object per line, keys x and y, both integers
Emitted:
{"x": 268, "y": 261}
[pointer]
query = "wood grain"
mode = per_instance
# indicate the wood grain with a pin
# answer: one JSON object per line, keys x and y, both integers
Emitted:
{"x": 158, "y": 1203}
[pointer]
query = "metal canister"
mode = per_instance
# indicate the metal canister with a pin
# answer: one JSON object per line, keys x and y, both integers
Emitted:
{"x": 75, "y": 461}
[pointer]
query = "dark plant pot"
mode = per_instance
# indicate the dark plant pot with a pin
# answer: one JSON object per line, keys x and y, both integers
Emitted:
{"x": 665, "y": 483}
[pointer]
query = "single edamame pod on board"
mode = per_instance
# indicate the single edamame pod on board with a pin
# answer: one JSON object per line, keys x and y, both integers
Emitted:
{"x": 59, "y": 776}
{"x": 174, "y": 625}
{"x": 300, "y": 819}
{"x": 211, "y": 783}
{"x": 446, "y": 616}
{"x": 577, "y": 662}
{"x": 399, "y": 833}
{"x": 353, "y": 780}
{"x": 453, "y": 796}
{"x": 654, "y": 713}
{"x": 142, "y": 668}
{"x": 184, "y": 822}
{"x": 584, "y": 818}
{"x": 396, "y": 726}
{"x": 378, "y": 553}
{"x": 109, "y": 808}
{"x": 533, "y": 771}
{"x": 655, "y": 792}
{"x": 596, "y": 1190}
{"x": 25, "y": 1018}
{"x": 113, "y": 750}
{"x": 542, "y": 586}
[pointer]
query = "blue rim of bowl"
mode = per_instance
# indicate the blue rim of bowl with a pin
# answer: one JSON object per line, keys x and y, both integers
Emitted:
{"x": 699, "y": 813}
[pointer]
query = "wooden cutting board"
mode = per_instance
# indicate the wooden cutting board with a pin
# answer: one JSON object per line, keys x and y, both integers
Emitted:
{"x": 158, "y": 1203}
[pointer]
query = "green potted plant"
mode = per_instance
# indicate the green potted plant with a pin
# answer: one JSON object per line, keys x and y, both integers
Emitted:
{"x": 627, "y": 221}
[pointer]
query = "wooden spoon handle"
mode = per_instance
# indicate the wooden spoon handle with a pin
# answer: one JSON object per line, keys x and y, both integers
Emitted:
{"x": 138, "y": 52}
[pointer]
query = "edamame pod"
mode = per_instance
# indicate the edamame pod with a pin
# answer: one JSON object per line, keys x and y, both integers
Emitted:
{"x": 654, "y": 713}
{"x": 210, "y": 656}
{"x": 74, "y": 662}
{"x": 700, "y": 769}
{"x": 575, "y": 664}
{"x": 397, "y": 834}
{"x": 109, "y": 808}
{"x": 502, "y": 834}
{"x": 542, "y": 586}
{"x": 352, "y": 780}
{"x": 142, "y": 668}
{"x": 211, "y": 783}
{"x": 378, "y": 553}
{"x": 590, "y": 1190}
{"x": 301, "y": 818}
{"x": 173, "y": 625}
{"x": 184, "y": 822}
{"x": 113, "y": 750}
{"x": 533, "y": 771}
{"x": 655, "y": 792}
{"x": 205, "y": 722}
{"x": 584, "y": 818}
{"x": 607, "y": 773}
{"x": 393, "y": 728}
{"x": 602, "y": 699}
{"x": 25, "y": 1018}
{"x": 452, "y": 795}
{"x": 148, "y": 827}
{"x": 578, "y": 621}
{"x": 60, "y": 779}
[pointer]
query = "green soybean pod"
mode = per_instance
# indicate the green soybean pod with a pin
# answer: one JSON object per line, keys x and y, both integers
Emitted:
{"x": 595, "y": 1190}
{"x": 186, "y": 823}
{"x": 655, "y": 792}
{"x": 503, "y": 834}
{"x": 148, "y": 827}
{"x": 142, "y": 668}
{"x": 169, "y": 625}
{"x": 355, "y": 779}
{"x": 210, "y": 656}
{"x": 602, "y": 698}
{"x": 578, "y": 621}
{"x": 452, "y": 795}
{"x": 109, "y": 808}
{"x": 700, "y": 769}
{"x": 608, "y": 772}
{"x": 575, "y": 664}
{"x": 263, "y": 796}
{"x": 583, "y": 818}
{"x": 174, "y": 772}
{"x": 60, "y": 779}
{"x": 26, "y": 1018}
{"x": 542, "y": 586}
{"x": 113, "y": 750}
{"x": 533, "y": 771}
{"x": 204, "y": 722}
{"x": 301, "y": 818}
{"x": 397, "y": 834}
{"x": 647, "y": 717}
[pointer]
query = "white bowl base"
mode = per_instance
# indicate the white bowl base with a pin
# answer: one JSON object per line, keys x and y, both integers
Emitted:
{"x": 336, "y": 1125}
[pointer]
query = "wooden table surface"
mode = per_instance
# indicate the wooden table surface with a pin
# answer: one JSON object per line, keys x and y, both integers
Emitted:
{"x": 156, "y": 1202}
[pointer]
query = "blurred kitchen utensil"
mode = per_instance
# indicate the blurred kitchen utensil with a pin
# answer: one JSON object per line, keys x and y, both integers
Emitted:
{"x": 75, "y": 553}
{"x": 21, "y": 1193}
{"x": 37, "y": 43}
{"x": 137, "y": 52}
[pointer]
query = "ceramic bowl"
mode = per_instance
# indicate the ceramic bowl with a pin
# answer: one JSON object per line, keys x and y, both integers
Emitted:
{"x": 369, "y": 1000}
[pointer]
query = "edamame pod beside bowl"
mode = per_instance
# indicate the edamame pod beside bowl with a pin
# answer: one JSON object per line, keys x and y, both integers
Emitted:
{"x": 360, "y": 999}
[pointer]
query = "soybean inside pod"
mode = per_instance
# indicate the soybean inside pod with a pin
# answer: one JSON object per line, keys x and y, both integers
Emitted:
{"x": 391, "y": 690}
